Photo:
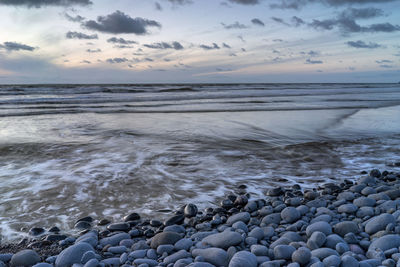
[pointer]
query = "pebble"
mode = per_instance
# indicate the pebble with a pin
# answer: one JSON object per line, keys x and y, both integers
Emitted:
{"x": 345, "y": 227}
{"x": 223, "y": 240}
{"x": 290, "y": 214}
{"x": 283, "y": 252}
{"x": 322, "y": 226}
{"x": 25, "y": 257}
{"x": 302, "y": 256}
{"x": 216, "y": 256}
{"x": 177, "y": 256}
{"x": 242, "y": 216}
{"x": 165, "y": 238}
{"x": 114, "y": 240}
{"x": 243, "y": 258}
{"x": 124, "y": 227}
{"x": 72, "y": 254}
{"x": 379, "y": 223}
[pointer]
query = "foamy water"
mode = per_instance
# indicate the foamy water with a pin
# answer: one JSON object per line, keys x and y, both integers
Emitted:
{"x": 108, "y": 150}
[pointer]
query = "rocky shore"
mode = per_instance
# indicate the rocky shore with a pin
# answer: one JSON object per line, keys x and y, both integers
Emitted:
{"x": 345, "y": 224}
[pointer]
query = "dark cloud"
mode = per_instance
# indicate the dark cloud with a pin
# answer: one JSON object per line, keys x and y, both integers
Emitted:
{"x": 86, "y": 62}
{"x": 208, "y": 47}
{"x": 226, "y": 45}
{"x": 117, "y": 60}
{"x": 79, "y": 35}
{"x": 180, "y": 2}
{"x": 241, "y": 38}
{"x": 277, "y": 40}
{"x": 279, "y": 20}
{"x": 383, "y": 61}
{"x": 362, "y": 44}
{"x": 41, "y": 3}
{"x": 245, "y": 2}
{"x": 310, "y": 53}
{"x": 118, "y": 22}
{"x": 77, "y": 18}
{"x": 258, "y": 22}
{"x": 310, "y": 61}
{"x": 298, "y": 4}
{"x": 362, "y": 13}
{"x": 13, "y": 46}
{"x": 235, "y": 25}
{"x": 115, "y": 40}
{"x": 383, "y": 27}
{"x": 98, "y": 50}
{"x": 158, "y": 6}
{"x": 297, "y": 21}
{"x": 164, "y": 45}
{"x": 385, "y": 66}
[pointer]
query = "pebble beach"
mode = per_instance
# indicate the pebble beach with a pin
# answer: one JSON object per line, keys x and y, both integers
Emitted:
{"x": 345, "y": 224}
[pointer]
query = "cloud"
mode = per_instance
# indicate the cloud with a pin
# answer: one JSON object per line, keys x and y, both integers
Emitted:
{"x": 298, "y": 4}
{"x": 208, "y": 47}
{"x": 41, "y": 3}
{"x": 383, "y": 61}
{"x": 123, "y": 41}
{"x": 118, "y": 22}
{"x": 362, "y": 13}
{"x": 123, "y": 46}
{"x": 258, "y": 22}
{"x": 98, "y": 50}
{"x": 225, "y": 45}
{"x": 79, "y": 35}
{"x": 310, "y": 53}
{"x": 86, "y": 62}
{"x": 235, "y": 25}
{"x": 117, "y": 60}
{"x": 164, "y": 45}
{"x": 245, "y": 2}
{"x": 385, "y": 66}
{"x": 158, "y": 6}
{"x": 362, "y": 44}
{"x": 279, "y": 20}
{"x": 310, "y": 61}
{"x": 13, "y": 46}
{"x": 297, "y": 21}
{"x": 77, "y": 18}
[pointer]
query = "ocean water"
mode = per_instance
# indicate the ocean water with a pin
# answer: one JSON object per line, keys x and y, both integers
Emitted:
{"x": 68, "y": 151}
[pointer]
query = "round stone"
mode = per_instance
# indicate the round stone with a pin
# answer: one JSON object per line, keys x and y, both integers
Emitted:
{"x": 323, "y": 227}
{"x": 379, "y": 223}
{"x": 347, "y": 208}
{"x": 132, "y": 217}
{"x": 290, "y": 214}
{"x": 364, "y": 202}
{"x": 345, "y": 227}
{"x": 164, "y": 238}
{"x": 284, "y": 252}
{"x": 332, "y": 261}
{"x": 190, "y": 210}
{"x": 243, "y": 258}
{"x": 25, "y": 257}
{"x": 302, "y": 256}
{"x": 223, "y": 240}
{"x": 72, "y": 254}
{"x": 125, "y": 227}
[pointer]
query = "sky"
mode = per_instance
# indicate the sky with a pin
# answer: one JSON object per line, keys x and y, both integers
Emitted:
{"x": 199, "y": 41}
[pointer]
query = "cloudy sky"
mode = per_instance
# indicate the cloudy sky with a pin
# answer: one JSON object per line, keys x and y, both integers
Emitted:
{"x": 153, "y": 41}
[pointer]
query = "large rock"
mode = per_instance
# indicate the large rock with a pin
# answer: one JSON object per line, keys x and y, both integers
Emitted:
{"x": 216, "y": 256}
{"x": 72, "y": 254}
{"x": 242, "y": 216}
{"x": 385, "y": 242}
{"x": 165, "y": 238}
{"x": 379, "y": 223}
{"x": 223, "y": 240}
{"x": 322, "y": 226}
{"x": 345, "y": 227}
{"x": 25, "y": 257}
{"x": 243, "y": 258}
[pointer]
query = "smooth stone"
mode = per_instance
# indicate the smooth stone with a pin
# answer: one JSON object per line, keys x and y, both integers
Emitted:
{"x": 35, "y": 231}
{"x": 117, "y": 249}
{"x": 274, "y": 218}
{"x": 323, "y": 227}
{"x": 176, "y": 219}
{"x": 349, "y": 261}
{"x": 175, "y": 228}
{"x": 367, "y": 180}
{"x": 302, "y": 255}
{"x": 283, "y": 252}
{"x": 190, "y": 210}
{"x": 152, "y": 254}
{"x": 164, "y": 238}
{"x": 111, "y": 262}
{"x": 322, "y": 218}
{"x": 83, "y": 225}
{"x": 348, "y": 196}
{"x": 126, "y": 242}
{"x": 201, "y": 264}
{"x": 177, "y": 256}
{"x": 114, "y": 239}
{"x": 242, "y": 216}
{"x": 364, "y": 202}
{"x": 25, "y": 257}
{"x": 322, "y": 253}
{"x": 124, "y": 227}
{"x": 379, "y": 223}
{"x": 184, "y": 243}
{"x": 365, "y": 211}
{"x": 87, "y": 256}
{"x": 385, "y": 242}
{"x": 149, "y": 262}
{"x": 92, "y": 263}
{"x": 240, "y": 225}
{"x": 290, "y": 214}
{"x": 216, "y": 256}
{"x": 138, "y": 254}
{"x": 347, "y": 208}
{"x": 41, "y": 264}
{"x": 332, "y": 261}
{"x": 257, "y": 233}
{"x": 132, "y": 217}
{"x": 345, "y": 227}
{"x": 274, "y": 263}
{"x": 223, "y": 240}
{"x": 318, "y": 237}
{"x": 72, "y": 254}
{"x": 342, "y": 248}
{"x": 259, "y": 250}
{"x": 6, "y": 257}
{"x": 243, "y": 258}
{"x": 161, "y": 249}
{"x": 90, "y": 238}
{"x": 293, "y": 264}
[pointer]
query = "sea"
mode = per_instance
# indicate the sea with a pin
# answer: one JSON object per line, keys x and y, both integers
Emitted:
{"x": 69, "y": 151}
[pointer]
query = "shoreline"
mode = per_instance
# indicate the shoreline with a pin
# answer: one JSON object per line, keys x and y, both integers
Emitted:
{"x": 345, "y": 224}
